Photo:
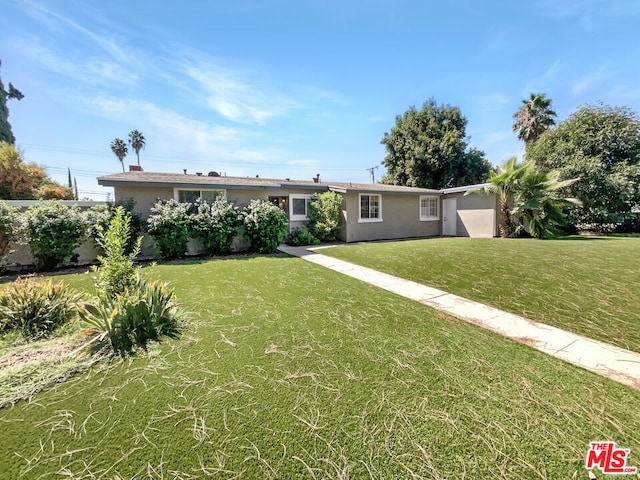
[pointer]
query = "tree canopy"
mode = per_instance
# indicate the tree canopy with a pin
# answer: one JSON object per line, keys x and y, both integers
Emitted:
{"x": 26, "y": 181}
{"x": 428, "y": 148}
{"x": 6, "y": 135}
{"x": 533, "y": 118}
{"x": 600, "y": 145}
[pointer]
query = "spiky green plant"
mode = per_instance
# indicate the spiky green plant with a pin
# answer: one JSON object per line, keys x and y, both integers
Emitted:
{"x": 37, "y": 308}
{"x": 144, "y": 312}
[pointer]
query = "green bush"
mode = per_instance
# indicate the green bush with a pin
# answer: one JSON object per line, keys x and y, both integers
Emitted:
{"x": 301, "y": 237}
{"x": 324, "y": 215}
{"x": 36, "y": 308}
{"x": 144, "y": 312}
{"x": 168, "y": 224}
{"x": 265, "y": 225}
{"x": 116, "y": 272}
{"x": 53, "y": 231}
{"x": 215, "y": 225}
{"x": 8, "y": 219}
{"x": 101, "y": 215}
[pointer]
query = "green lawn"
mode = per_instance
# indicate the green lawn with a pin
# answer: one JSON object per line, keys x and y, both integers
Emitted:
{"x": 291, "y": 370}
{"x": 587, "y": 285}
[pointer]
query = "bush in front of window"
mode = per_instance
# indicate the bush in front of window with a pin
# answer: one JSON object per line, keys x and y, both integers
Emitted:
{"x": 265, "y": 225}
{"x": 324, "y": 215}
{"x": 215, "y": 224}
{"x": 301, "y": 237}
{"x": 53, "y": 231}
{"x": 168, "y": 224}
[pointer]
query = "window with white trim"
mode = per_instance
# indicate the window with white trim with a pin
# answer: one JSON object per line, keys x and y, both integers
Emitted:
{"x": 191, "y": 195}
{"x": 370, "y": 208}
{"x": 299, "y": 207}
{"x": 429, "y": 208}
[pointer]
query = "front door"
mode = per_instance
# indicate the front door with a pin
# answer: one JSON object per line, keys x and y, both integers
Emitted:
{"x": 449, "y": 217}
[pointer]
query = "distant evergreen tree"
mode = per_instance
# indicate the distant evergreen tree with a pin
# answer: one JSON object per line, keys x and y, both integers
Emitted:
{"x": 6, "y": 135}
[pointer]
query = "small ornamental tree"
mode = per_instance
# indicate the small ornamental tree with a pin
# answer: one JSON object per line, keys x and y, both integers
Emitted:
{"x": 8, "y": 218}
{"x": 324, "y": 215}
{"x": 116, "y": 272}
{"x": 265, "y": 225}
{"x": 53, "y": 231}
{"x": 215, "y": 225}
{"x": 168, "y": 224}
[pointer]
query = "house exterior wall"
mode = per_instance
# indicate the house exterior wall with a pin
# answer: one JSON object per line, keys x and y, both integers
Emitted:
{"x": 400, "y": 219}
{"x": 477, "y": 215}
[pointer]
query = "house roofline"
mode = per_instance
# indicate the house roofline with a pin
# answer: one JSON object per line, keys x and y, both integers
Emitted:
{"x": 464, "y": 188}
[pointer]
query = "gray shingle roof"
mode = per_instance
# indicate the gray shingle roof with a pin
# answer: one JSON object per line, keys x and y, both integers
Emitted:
{"x": 148, "y": 179}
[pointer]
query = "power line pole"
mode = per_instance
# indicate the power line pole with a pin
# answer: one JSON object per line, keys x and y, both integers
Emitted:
{"x": 371, "y": 170}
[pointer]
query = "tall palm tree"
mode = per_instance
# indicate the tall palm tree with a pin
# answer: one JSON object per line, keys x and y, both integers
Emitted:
{"x": 119, "y": 148}
{"x": 137, "y": 142}
{"x": 533, "y": 118}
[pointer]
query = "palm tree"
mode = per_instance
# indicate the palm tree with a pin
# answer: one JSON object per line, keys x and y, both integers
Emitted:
{"x": 137, "y": 142}
{"x": 504, "y": 184}
{"x": 119, "y": 148}
{"x": 539, "y": 206}
{"x": 533, "y": 118}
{"x": 528, "y": 199}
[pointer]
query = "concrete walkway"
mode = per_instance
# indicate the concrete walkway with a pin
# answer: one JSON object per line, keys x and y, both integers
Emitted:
{"x": 599, "y": 357}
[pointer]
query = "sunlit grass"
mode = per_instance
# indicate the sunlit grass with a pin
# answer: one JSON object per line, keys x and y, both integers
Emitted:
{"x": 293, "y": 371}
{"x": 587, "y": 285}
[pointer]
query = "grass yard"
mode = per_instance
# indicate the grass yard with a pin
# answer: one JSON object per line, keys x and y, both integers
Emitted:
{"x": 291, "y": 370}
{"x": 587, "y": 285}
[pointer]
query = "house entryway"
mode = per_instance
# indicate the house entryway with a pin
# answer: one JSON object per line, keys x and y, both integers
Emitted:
{"x": 449, "y": 217}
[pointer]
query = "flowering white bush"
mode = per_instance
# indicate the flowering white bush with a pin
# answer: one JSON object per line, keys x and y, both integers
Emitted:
{"x": 215, "y": 225}
{"x": 53, "y": 231}
{"x": 8, "y": 219}
{"x": 168, "y": 224}
{"x": 265, "y": 225}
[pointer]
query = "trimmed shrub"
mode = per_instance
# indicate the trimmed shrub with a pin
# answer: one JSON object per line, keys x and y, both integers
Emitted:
{"x": 36, "y": 308}
{"x": 265, "y": 225}
{"x": 8, "y": 219}
{"x": 116, "y": 272}
{"x": 168, "y": 224}
{"x": 144, "y": 312}
{"x": 53, "y": 231}
{"x": 215, "y": 225}
{"x": 301, "y": 237}
{"x": 324, "y": 215}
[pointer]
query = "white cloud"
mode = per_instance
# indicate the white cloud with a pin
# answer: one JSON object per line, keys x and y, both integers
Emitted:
{"x": 589, "y": 80}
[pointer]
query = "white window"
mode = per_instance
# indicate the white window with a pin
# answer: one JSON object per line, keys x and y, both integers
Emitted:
{"x": 429, "y": 208}
{"x": 299, "y": 207}
{"x": 187, "y": 195}
{"x": 370, "y": 208}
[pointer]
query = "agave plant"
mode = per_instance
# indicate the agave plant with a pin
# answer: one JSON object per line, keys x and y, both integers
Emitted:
{"x": 144, "y": 312}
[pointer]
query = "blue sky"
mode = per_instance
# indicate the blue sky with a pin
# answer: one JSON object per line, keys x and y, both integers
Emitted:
{"x": 291, "y": 88}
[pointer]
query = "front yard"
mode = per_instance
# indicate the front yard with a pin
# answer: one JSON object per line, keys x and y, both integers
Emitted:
{"x": 587, "y": 285}
{"x": 290, "y": 370}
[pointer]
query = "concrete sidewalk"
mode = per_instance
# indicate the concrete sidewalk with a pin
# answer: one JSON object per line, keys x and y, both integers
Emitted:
{"x": 599, "y": 357}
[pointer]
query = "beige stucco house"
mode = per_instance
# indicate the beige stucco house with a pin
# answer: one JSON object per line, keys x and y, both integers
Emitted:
{"x": 369, "y": 211}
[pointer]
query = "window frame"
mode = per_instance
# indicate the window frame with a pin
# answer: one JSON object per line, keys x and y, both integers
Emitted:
{"x": 299, "y": 196}
{"x": 369, "y": 219}
{"x": 429, "y": 218}
{"x": 176, "y": 192}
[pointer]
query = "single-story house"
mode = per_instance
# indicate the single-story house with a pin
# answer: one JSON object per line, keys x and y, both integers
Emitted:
{"x": 369, "y": 211}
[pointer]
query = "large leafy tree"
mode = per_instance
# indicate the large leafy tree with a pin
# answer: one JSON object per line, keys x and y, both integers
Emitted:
{"x": 600, "y": 145}
{"x": 137, "y": 142}
{"x": 119, "y": 149}
{"x": 6, "y": 135}
{"x": 533, "y": 118}
{"x": 428, "y": 148}
{"x": 26, "y": 181}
